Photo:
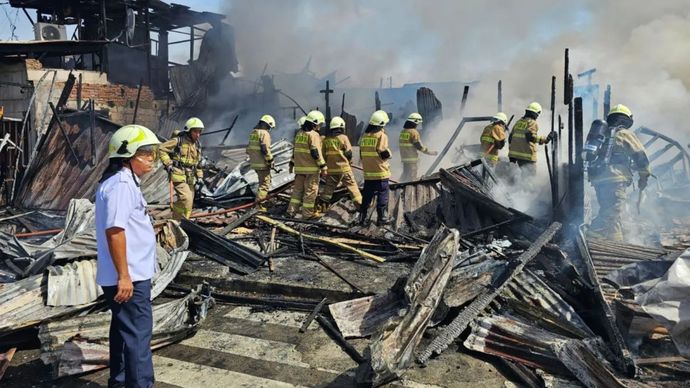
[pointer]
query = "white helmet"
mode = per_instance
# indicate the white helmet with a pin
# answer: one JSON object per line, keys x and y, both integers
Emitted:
{"x": 127, "y": 140}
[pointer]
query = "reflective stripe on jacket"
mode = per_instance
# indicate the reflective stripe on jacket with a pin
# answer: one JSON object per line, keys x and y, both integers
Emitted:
{"x": 304, "y": 162}
{"x": 334, "y": 149}
{"x": 492, "y": 134}
{"x": 371, "y": 145}
{"x": 257, "y": 159}
{"x": 627, "y": 155}
{"x": 520, "y": 146}
{"x": 408, "y": 150}
{"x": 184, "y": 155}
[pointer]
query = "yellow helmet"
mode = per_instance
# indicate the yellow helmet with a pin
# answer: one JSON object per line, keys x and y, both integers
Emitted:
{"x": 622, "y": 109}
{"x": 337, "y": 123}
{"x": 194, "y": 123}
{"x": 127, "y": 140}
{"x": 500, "y": 116}
{"x": 268, "y": 119}
{"x": 379, "y": 118}
{"x": 316, "y": 117}
{"x": 534, "y": 107}
{"x": 301, "y": 121}
{"x": 415, "y": 118}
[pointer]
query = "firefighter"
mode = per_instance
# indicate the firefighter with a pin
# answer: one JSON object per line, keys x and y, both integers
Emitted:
{"x": 525, "y": 137}
{"x": 613, "y": 153}
{"x": 493, "y": 138}
{"x": 260, "y": 157}
{"x": 308, "y": 164}
{"x": 181, "y": 157}
{"x": 410, "y": 144}
{"x": 338, "y": 153}
{"x": 374, "y": 153}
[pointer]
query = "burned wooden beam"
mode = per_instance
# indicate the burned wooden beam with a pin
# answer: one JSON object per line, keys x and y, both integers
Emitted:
{"x": 459, "y": 324}
{"x": 236, "y": 256}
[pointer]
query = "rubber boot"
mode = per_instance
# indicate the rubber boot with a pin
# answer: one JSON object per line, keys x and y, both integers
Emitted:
{"x": 363, "y": 218}
{"x": 382, "y": 216}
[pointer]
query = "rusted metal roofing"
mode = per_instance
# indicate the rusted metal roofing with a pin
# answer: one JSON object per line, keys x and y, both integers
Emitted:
{"x": 54, "y": 176}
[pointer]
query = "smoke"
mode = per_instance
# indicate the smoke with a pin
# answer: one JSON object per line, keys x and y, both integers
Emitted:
{"x": 638, "y": 47}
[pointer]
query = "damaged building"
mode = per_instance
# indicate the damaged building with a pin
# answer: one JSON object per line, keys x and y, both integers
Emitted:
{"x": 462, "y": 287}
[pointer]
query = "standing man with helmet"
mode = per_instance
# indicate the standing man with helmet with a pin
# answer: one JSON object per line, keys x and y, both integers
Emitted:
{"x": 308, "y": 164}
{"x": 181, "y": 157}
{"x": 126, "y": 245}
{"x": 612, "y": 153}
{"x": 410, "y": 143}
{"x": 374, "y": 153}
{"x": 338, "y": 152}
{"x": 525, "y": 137}
{"x": 493, "y": 138}
{"x": 260, "y": 157}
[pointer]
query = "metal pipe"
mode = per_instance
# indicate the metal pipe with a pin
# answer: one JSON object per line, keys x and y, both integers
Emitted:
{"x": 445, "y": 150}
{"x": 92, "y": 129}
{"x": 500, "y": 95}
{"x": 38, "y": 233}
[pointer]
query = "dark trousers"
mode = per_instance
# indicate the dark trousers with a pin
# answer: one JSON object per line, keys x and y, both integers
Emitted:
{"x": 131, "y": 327}
{"x": 378, "y": 189}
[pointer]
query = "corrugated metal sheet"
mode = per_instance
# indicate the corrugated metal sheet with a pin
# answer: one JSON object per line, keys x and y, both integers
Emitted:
{"x": 73, "y": 284}
{"x": 243, "y": 181}
{"x": 21, "y": 304}
{"x": 54, "y": 177}
{"x": 171, "y": 321}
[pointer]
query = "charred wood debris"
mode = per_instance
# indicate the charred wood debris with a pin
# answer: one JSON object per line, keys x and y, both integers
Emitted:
{"x": 456, "y": 270}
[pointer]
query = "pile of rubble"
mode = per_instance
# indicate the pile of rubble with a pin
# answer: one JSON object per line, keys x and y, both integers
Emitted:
{"x": 454, "y": 271}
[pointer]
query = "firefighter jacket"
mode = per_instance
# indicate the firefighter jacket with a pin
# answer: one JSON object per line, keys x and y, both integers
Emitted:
{"x": 524, "y": 140}
{"x": 627, "y": 155}
{"x": 374, "y": 153}
{"x": 184, "y": 155}
{"x": 307, "y": 156}
{"x": 259, "y": 149}
{"x": 410, "y": 142}
{"x": 338, "y": 152}
{"x": 494, "y": 135}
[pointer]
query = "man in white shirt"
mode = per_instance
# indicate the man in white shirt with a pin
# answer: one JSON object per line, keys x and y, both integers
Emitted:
{"x": 127, "y": 255}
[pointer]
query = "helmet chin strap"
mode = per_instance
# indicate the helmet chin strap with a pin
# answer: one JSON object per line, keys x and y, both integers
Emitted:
{"x": 128, "y": 162}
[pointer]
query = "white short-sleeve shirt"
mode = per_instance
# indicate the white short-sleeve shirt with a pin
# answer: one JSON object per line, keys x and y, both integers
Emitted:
{"x": 120, "y": 203}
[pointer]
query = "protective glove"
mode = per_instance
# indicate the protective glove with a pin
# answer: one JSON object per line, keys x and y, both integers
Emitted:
{"x": 642, "y": 182}
{"x": 168, "y": 168}
{"x": 550, "y": 137}
{"x": 199, "y": 186}
{"x": 271, "y": 164}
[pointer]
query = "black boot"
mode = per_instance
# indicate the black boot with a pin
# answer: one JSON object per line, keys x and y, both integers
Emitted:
{"x": 363, "y": 221}
{"x": 382, "y": 216}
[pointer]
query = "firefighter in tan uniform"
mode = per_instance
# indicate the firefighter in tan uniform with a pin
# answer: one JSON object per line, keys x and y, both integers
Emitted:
{"x": 612, "y": 154}
{"x": 260, "y": 157}
{"x": 493, "y": 138}
{"x": 410, "y": 143}
{"x": 338, "y": 153}
{"x": 181, "y": 157}
{"x": 525, "y": 137}
{"x": 308, "y": 165}
{"x": 374, "y": 153}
